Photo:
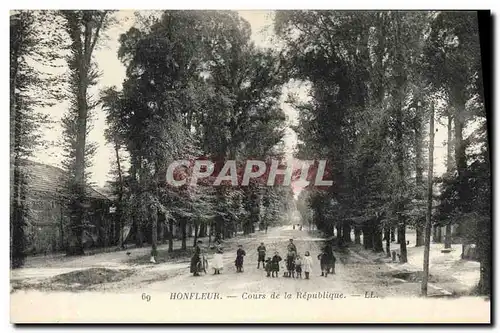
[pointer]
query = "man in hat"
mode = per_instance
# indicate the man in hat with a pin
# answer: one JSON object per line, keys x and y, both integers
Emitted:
{"x": 291, "y": 247}
{"x": 261, "y": 251}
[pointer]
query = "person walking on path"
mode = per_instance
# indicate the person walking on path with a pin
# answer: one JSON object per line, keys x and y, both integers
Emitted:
{"x": 195, "y": 259}
{"x": 331, "y": 262}
{"x": 331, "y": 258}
{"x": 275, "y": 264}
{"x": 290, "y": 263}
{"x": 268, "y": 266}
{"x": 324, "y": 261}
{"x": 298, "y": 267}
{"x": 307, "y": 264}
{"x": 261, "y": 250}
{"x": 240, "y": 254}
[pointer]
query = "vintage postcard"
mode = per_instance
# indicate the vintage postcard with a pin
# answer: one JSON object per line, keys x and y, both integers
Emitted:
{"x": 271, "y": 166}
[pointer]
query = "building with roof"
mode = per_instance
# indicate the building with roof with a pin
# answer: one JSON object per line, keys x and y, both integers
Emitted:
{"x": 47, "y": 200}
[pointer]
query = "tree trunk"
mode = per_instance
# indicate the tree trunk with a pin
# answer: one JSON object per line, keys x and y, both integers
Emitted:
{"x": 17, "y": 222}
{"x": 119, "y": 209}
{"x": 154, "y": 234}
{"x": 449, "y": 144}
{"x": 171, "y": 235}
{"x": 393, "y": 234}
{"x": 161, "y": 227}
{"x": 82, "y": 68}
{"x": 402, "y": 245}
{"x": 210, "y": 233}
{"x": 449, "y": 170}
{"x": 447, "y": 236}
{"x": 399, "y": 142}
{"x": 419, "y": 241}
{"x": 195, "y": 240}
{"x": 184, "y": 233}
{"x": 357, "y": 235}
{"x": 484, "y": 253}
{"x": 377, "y": 237}
{"x": 17, "y": 236}
{"x": 419, "y": 170}
{"x": 428, "y": 223}
{"x": 61, "y": 226}
{"x": 439, "y": 234}
{"x": 203, "y": 230}
{"x": 368, "y": 237}
{"x": 346, "y": 232}
{"x": 140, "y": 235}
{"x": 387, "y": 232}
{"x": 460, "y": 157}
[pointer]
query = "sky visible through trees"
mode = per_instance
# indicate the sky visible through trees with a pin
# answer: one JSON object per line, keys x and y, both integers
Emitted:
{"x": 113, "y": 73}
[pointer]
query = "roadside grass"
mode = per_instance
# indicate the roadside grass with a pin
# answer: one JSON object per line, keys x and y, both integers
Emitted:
{"x": 78, "y": 280}
{"x": 163, "y": 256}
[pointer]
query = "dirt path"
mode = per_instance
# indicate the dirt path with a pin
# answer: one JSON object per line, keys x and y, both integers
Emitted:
{"x": 146, "y": 294}
{"x": 357, "y": 275}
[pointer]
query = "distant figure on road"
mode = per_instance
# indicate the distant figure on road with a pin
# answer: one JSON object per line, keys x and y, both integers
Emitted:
{"x": 261, "y": 250}
{"x": 307, "y": 264}
{"x": 275, "y": 264}
{"x": 294, "y": 227}
{"x": 301, "y": 227}
{"x": 240, "y": 254}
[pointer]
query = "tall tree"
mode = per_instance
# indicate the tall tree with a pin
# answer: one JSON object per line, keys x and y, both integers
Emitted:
{"x": 84, "y": 28}
{"x": 34, "y": 45}
{"x": 449, "y": 170}
{"x": 115, "y": 134}
{"x": 428, "y": 224}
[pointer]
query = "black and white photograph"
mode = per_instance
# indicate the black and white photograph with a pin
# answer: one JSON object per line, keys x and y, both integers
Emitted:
{"x": 250, "y": 166}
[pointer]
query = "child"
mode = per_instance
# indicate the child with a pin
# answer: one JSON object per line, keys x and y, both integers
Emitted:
{"x": 307, "y": 264}
{"x": 239, "y": 259}
{"x": 261, "y": 250}
{"x": 290, "y": 263}
{"x": 268, "y": 266}
{"x": 218, "y": 263}
{"x": 323, "y": 260}
{"x": 298, "y": 267}
{"x": 275, "y": 264}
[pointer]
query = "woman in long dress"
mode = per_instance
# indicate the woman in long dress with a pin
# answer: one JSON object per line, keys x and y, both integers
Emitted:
{"x": 217, "y": 260}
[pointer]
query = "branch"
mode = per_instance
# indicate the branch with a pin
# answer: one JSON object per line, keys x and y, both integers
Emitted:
{"x": 96, "y": 35}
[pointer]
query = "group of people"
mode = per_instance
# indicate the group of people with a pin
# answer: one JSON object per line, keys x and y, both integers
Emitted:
{"x": 295, "y": 264}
